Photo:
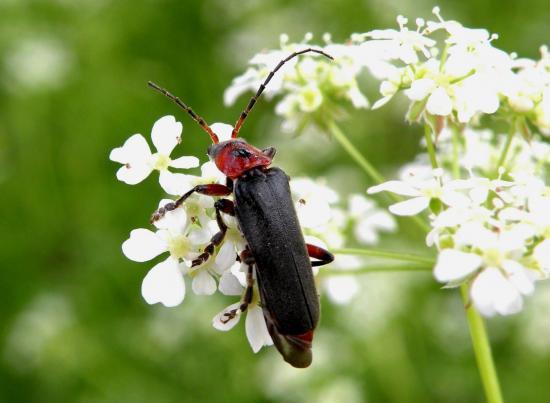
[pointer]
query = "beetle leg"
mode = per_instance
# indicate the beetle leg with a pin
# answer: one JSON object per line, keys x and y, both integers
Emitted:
{"x": 323, "y": 256}
{"x": 222, "y": 206}
{"x": 211, "y": 189}
{"x": 248, "y": 292}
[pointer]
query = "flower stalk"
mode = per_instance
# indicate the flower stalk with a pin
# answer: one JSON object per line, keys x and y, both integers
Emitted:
{"x": 482, "y": 349}
{"x": 385, "y": 254}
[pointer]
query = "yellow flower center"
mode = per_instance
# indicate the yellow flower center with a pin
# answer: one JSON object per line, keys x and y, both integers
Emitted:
{"x": 492, "y": 257}
{"x": 162, "y": 162}
{"x": 179, "y": 246}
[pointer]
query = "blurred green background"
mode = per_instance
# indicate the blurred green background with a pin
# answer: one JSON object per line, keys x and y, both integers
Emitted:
{"x": 73, "y": 325}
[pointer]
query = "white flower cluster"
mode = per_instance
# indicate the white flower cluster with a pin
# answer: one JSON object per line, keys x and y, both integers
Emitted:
{"x": 447, "y": 71}
{"x": 181, "y": 235}
{"x": 492, "y": 234}
{"x": 312, "y": 86}
{"x": 458, "y": 78}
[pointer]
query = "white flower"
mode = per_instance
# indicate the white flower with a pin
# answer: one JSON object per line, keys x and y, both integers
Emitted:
{"x": 138, "y": 161}
{"x": 368, "y": 219}
{"x": 256, "y": 328}
{"x": 341, "y": 289}
{"x": 422, "y": 193}
{"x": 312, "y": 201}
{"x": 310, "y": 85}
{"x": 499, "y": 279}
{"x": 402, "y": 44}
{"x": 164, "y": 283}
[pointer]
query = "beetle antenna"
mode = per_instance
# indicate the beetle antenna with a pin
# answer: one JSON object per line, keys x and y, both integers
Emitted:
{"x": 187, "y": 109}
{"x": 253, "y": 100}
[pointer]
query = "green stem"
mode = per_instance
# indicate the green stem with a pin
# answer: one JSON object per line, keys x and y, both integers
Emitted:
{"x": 456, "y": 165}
{"x": 386, "y": 254}
{"x": 509, "y": 139}
{"x": 430, "y": 145}
{"x": 482, "y": 350}
{"x": 354, "y": 153}
{"x": 375, "y": 269}
{"x": 370, "y": 170}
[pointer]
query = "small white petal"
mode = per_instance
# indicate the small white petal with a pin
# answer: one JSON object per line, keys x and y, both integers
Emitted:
{"x": 223, "y": 130}
{"x": 420, "y": 89}
{"x": 199, "y": 236}
{"x": 492, "y": 293}
{"x": 229, "y": 284}
{"x": 313, "y": 213}
{"x": 133, "y": 173}
{"x": 256, "y": 329}
{"x": 185, "y": 162}
{"x": 204, "y": 283}
{"x": 166, "y": 134}
{"x": 226, "y": 256}
{"x": 143, "y": 245}
{"x": 398, "y": 187}
{"x": 341, "y": 289}
{"x": 455, "y": 199}
{"x": 164, "y": 283}
{"x": 454, "y": 265}
{"x": 175, "y": 184}
{"x": 134, "y": 149}
{"x": 439, "y": 103}
{"x": 219, "y": 321}
{"x": 518, "y": 277}
{"x": 175, "y": 221}
{"x": 410, "y": 207}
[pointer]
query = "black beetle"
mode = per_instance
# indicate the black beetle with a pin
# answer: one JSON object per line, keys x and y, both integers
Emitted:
{"x": 267, "y": 218}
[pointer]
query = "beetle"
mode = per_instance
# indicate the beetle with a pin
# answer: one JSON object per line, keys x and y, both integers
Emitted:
{"x": 268, "y": 221}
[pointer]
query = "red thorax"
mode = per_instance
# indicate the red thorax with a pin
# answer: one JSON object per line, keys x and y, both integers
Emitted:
{"x": 235, "y": 157}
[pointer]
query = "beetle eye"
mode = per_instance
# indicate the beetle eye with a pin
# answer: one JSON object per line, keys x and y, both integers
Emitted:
{"x": 240, "y": 152}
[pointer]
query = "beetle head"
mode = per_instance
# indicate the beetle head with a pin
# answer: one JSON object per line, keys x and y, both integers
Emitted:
{"x": 236, "y": 156}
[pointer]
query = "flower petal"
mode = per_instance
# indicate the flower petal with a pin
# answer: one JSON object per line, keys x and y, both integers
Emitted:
{"x": 410, "y": 207}
{"x": 164, "y": 283}
{"x": 229, "y": 284}
{"x": 492, "y": 293}
{"x": 454, "y": 265}
{"x": 175, "y": 221}
{"x": 341, "y": 289}
{"x": 175, "y": 184}
{"x": 220, "y": 321}
{"x": 204, "y": 283}
{"x": 439, "y": 103}
{"x": 185, "y": 162}
{"x": 226, "y": 256}
{"x": 223, "y": 130}
{"x": 133, "y": 173}
{"x": 517, "y": 275}
{"x": 256, "y": 329}
{"x": 143, "y": 245}
{"x": 398, "y": 187}
{"x": 134, "y": 149}
{"x": 166, "y": 134}
{"x": 420, "y": 89}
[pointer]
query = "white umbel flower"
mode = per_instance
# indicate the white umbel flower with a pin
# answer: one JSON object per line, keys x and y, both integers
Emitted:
{"x": 138, "y": 161}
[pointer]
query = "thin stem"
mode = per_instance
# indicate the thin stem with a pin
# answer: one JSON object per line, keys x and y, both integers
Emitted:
{"x": 456, "y": 165}
{"x": 430, "y": 145}
{"x": 443, "y": 57}
{"x": 482, "y": 350}
{"x": 354, "y": 153}
{"x": 506, "y": 148}
{"x": 369, "y": 169}
{"x": 376, "y": 269}
{"x": 386, "y": 254}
